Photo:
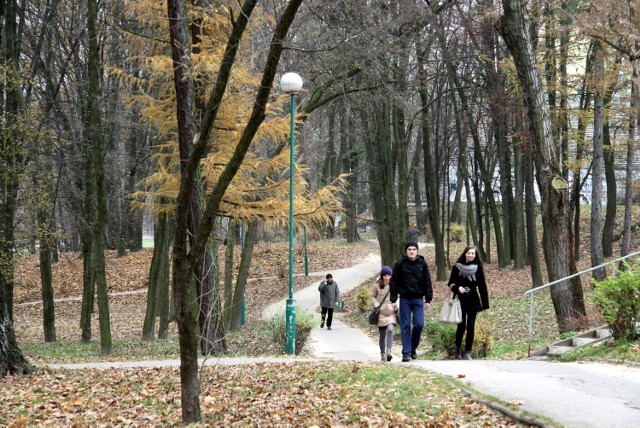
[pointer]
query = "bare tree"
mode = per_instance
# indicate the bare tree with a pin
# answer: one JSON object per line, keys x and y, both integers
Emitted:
{"x": 184, "y": 257}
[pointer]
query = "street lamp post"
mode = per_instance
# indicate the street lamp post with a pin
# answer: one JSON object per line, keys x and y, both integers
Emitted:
{"x": 291, "y": 83}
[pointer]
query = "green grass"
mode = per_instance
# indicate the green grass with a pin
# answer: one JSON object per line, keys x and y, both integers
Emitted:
{"x": 402, "y": 390}
{"x": 620, "y": 351}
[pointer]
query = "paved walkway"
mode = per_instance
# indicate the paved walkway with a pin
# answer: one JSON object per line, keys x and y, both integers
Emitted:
{"x": 571, "y": 394}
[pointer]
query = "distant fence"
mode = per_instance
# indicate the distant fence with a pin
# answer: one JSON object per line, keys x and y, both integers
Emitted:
{"x": 542, "y": 287}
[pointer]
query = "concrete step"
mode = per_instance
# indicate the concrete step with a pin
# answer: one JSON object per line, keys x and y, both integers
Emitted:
{"x": 586, "y": 338}
{"x": 556, "y": 350}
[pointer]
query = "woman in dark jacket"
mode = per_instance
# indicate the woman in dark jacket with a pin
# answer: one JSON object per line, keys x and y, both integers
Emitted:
{"x": 466, "y": 280}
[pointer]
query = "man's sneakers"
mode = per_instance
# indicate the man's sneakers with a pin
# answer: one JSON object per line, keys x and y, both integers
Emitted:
{"x": 405, "y": 359}
{"x": 322, "y": 324}
{"x": 414, "y": 356}
{"x": 328, "y": 327}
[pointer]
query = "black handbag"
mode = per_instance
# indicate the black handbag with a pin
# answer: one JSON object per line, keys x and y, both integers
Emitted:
{"x": 374, "y": 314}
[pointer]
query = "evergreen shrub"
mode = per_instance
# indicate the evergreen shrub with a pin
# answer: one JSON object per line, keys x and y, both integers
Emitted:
{"x": 618, "y": 297}
{"x": 304, "y": 324}
{"x": 363, "y": 298}
{"x": 456, "y": 232}
{"x": 442, "y": 338}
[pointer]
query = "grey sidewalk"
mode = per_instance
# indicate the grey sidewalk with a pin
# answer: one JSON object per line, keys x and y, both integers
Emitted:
{"x": 341, "y": 342}
{"x": 347, "y": 279}
{"x": 572, "y": 394}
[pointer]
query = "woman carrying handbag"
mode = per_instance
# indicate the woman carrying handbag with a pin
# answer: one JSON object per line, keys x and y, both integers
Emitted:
{"x": 466, "y": 281}
{"x": 387, "y": 318}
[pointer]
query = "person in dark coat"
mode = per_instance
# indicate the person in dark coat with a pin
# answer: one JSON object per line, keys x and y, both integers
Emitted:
{"x": 414, "y": 233}
{"x": 411, "y": 281}
{"x": 466, "y": 280}
{"x": 329, "y": 295}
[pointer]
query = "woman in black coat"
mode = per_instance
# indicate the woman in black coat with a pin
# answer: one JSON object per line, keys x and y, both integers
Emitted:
{"x": 466, "y": 280}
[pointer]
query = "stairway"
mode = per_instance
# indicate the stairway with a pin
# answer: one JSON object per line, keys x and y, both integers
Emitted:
{"x": 590, "y": 337}
{"x": 583, "y": 339}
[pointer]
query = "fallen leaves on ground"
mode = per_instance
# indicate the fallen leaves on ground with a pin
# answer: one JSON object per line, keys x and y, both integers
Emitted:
{"x": 280, "y": 394}
{"x": 130, "y": 272}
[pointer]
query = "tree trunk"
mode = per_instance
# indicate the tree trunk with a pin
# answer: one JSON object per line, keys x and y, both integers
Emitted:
{"x": 243, "y": 275}
{"x": 563, "y": 114}
{"x": 597, "y": 168}
{"x": 477, "y": 200}
{"x": 12, "y": 361}
{"x": 43, "y": 179}
{"x": 329, "y": 168}
{"x": 381, "y": 179}
{"x": 156, "y": 280}
{"x": 212, "y": 332}
{"x": 350, "y": 165}
{"x": 87, "y": 233}
{"x": 462, "y": 173}
{"x": 163, "y": 299}
{"x": 576, "y": 190}
{"x": 628, "y": 189}
{"x": 210, "y": 318}
{"x": 228, "y": 273}
{"x": 88, "y": 282}
{"x": 432, "y": 197}
{"x": 567, "y": 299}
{"x": 520, "y": 247}
{"x": 612, "y": 203}
{"x": 184, "y": 289}
{"x": 496, "y": 88}
{"x": 471, "y": 219}
{"x": 11, "y": 152}
{"x": 95, "y": 137}
{"x": 46, "y": 280}
{"x": 417, "y": 197}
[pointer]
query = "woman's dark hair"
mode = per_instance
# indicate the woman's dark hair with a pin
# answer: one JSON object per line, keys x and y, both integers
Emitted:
{"x": 463, "y": 259}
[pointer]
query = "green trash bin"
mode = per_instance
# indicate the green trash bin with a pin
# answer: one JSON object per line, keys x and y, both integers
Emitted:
{"x": 339, "y": 306}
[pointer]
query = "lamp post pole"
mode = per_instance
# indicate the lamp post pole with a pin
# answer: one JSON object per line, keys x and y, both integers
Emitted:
{"x": 291, "y": 84}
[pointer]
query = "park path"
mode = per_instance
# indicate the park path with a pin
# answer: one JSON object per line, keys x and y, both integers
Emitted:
{"x": 341, "y": 342}
{"x": 570, "y": 394}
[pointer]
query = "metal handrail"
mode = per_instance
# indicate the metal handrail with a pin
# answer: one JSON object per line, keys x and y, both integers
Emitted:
{"x": 542, "y": 287}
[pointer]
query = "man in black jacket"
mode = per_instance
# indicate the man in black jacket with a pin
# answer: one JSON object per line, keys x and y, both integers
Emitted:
{"x": 411, "y": 281}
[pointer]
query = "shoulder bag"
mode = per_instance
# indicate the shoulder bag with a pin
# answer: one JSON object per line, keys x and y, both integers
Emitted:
{"x": 374, "y": 314}
{"x": 451, "y": 312}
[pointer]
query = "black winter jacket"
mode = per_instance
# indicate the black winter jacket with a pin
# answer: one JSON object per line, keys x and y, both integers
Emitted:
{"x": 470, "y": 301}
{"x": 411, "y": 279}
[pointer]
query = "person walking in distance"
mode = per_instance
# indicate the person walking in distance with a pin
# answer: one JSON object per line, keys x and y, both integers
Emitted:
{"x": 387, "y": 319}
{"x": 329, "y": 295}
{"x": 411, "y": 281}
{"x": 414, "y": 233}
{"x": 466, "y": 280}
